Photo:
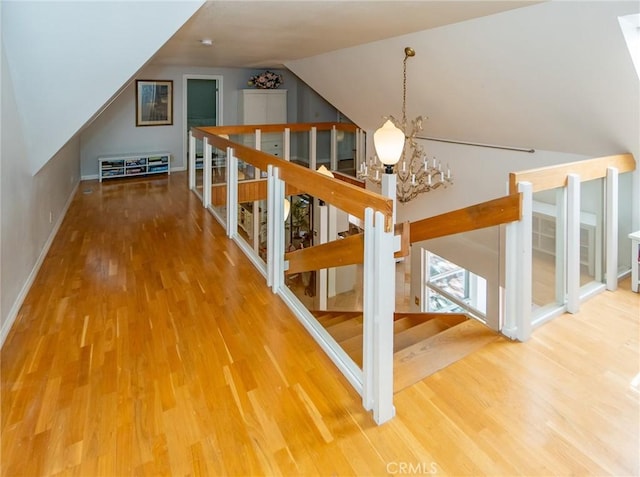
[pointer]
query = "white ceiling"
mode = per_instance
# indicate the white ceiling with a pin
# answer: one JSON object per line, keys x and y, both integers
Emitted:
{"x": 267, "y": 34}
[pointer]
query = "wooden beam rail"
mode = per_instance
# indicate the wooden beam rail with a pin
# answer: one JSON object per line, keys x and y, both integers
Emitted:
{"x": 487, "y": 214}
{"x": 551, "y": 177}
{"x": 347, "y": 197}
{"x": 337, "y": 253}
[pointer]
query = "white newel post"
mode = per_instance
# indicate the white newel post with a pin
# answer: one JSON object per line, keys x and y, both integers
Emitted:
{"x": 313, "y": 150}
{"x": 517, "y": 319}
{"x": 192, "y": 162}
{"x": 334, "y": 149}
{"x": 258, "y": 147}
{"x": 611, "y": 221}
{"x": 207, "y": 179}
{"x": 287, "y": 144}
{"x": 561, "y": 244}
{"x": 389, "y": 182}
{"x": 323, "y": 228}
{"x": 275, "y": 229}
{"x": 232, "y": 193}
{"x": 379, "y": 305}
{"x": 270, "y": 225}
{"x": 573, "y": 243}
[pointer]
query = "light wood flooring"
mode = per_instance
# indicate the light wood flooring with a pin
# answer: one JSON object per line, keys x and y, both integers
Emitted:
{"x": 149, "y": 345}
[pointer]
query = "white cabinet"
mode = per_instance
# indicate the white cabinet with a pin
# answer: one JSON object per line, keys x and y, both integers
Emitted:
{"x": 263, "y": 106}
{"x": 129, "y": 165}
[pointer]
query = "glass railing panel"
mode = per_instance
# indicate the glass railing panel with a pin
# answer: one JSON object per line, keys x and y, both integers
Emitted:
{"x": 591, "y": 231}
{"x": 323, "y": 149}
{"x": 333, "y": 295}
{"x": 300, "y": 148}
{"x": 460, "y": 273}
{"x": 346, "y": 145}
{"x": 548, "y": 250}
{"x": 218, "y": 183}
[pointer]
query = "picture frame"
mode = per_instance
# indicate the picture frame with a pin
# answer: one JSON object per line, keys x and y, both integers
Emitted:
{"x": 154, "y": 102}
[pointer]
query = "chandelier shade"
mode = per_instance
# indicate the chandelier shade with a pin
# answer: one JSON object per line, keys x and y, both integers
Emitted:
{"x": 389, "y": 143}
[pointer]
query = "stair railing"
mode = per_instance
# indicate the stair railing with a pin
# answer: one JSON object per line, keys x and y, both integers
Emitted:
{"x": 375, "y": 380}
{"x": 519, "y": 318}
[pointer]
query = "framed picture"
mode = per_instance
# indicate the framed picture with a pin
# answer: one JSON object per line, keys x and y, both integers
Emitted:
{"x": 154, "y": 103}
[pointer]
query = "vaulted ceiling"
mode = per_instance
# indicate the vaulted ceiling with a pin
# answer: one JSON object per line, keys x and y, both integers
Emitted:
{"x": 259, "y": 34}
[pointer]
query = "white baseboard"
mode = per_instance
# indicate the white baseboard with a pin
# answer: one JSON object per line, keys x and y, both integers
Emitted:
{"x": 13, "y": 313}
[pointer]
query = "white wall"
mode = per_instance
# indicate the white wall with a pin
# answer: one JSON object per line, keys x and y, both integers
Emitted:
{"x": 26, "y": 204}
{"x": 68, "y": 59}
{"x": 114, "y": 131}
{"x": 555, "y": 76}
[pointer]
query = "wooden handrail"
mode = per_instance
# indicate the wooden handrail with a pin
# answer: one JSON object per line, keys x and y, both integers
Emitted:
{"x": 271, "y": 128}
{"x": 487, "y": 214}
{"x": 550, "y": 177}
{"x": 347, "y": 197}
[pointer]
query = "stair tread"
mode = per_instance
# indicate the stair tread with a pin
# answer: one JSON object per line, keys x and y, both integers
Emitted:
{"x": 408, "y": 330}
{"x": 409, "y": 320}
{"x": 327, "y": 319}
{"x": 346, "y": 329}
{"x": 423, "y": 359}
{"x": 417, "y": 333}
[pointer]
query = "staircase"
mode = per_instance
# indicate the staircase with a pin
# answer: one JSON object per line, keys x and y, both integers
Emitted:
{"x": 423, "y": 343}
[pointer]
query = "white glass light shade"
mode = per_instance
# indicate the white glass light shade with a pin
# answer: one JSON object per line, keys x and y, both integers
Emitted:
{"x": 389, "y": 142}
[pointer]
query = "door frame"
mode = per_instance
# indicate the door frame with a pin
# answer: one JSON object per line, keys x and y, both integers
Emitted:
{"x": 185, "y": 92}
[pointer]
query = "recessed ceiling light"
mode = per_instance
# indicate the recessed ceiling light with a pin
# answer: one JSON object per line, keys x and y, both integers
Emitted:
{"x": 206, "y": 42}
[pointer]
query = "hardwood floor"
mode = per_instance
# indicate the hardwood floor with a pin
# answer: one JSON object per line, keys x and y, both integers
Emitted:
{"x": 149, "y": 345}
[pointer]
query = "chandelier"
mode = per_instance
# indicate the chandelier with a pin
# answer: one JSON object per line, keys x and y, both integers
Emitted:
{"x": 398, "y": 151}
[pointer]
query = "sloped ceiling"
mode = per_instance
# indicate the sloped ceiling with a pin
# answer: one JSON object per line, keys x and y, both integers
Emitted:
{"x": 259, "y": 34}
{"x": 67, "y": 60}
{"x": 554, "y": 76}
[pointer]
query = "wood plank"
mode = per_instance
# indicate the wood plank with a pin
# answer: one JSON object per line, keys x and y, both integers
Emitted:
{"x": 337, "y": 253}
{"x": 487, "y": 214}
{"x": 551, "y": 177}
{"x": 423, "y": 359}
{"x": 248, "y": 191}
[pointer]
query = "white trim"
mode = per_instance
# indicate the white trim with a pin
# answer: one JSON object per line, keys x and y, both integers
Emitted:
{"x": 313, "y": 148}
{"x": 573, "y": 243}
{"x": 368, "y": 311}
{"x": 611, "y": 229}
{"x": 207, "y": 150}
{"x": 17, "y": 304}
{"x": 89, "y": 177}
{"x": 192, "y": 161}
{"x": 251, "y": 254}
{"x": 232, "y": 193}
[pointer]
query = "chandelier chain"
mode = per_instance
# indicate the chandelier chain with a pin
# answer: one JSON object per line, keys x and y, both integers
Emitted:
{"x": 415, "y": 173}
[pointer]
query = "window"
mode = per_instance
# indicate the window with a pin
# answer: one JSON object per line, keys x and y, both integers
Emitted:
{"x": 451, "y": 288}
